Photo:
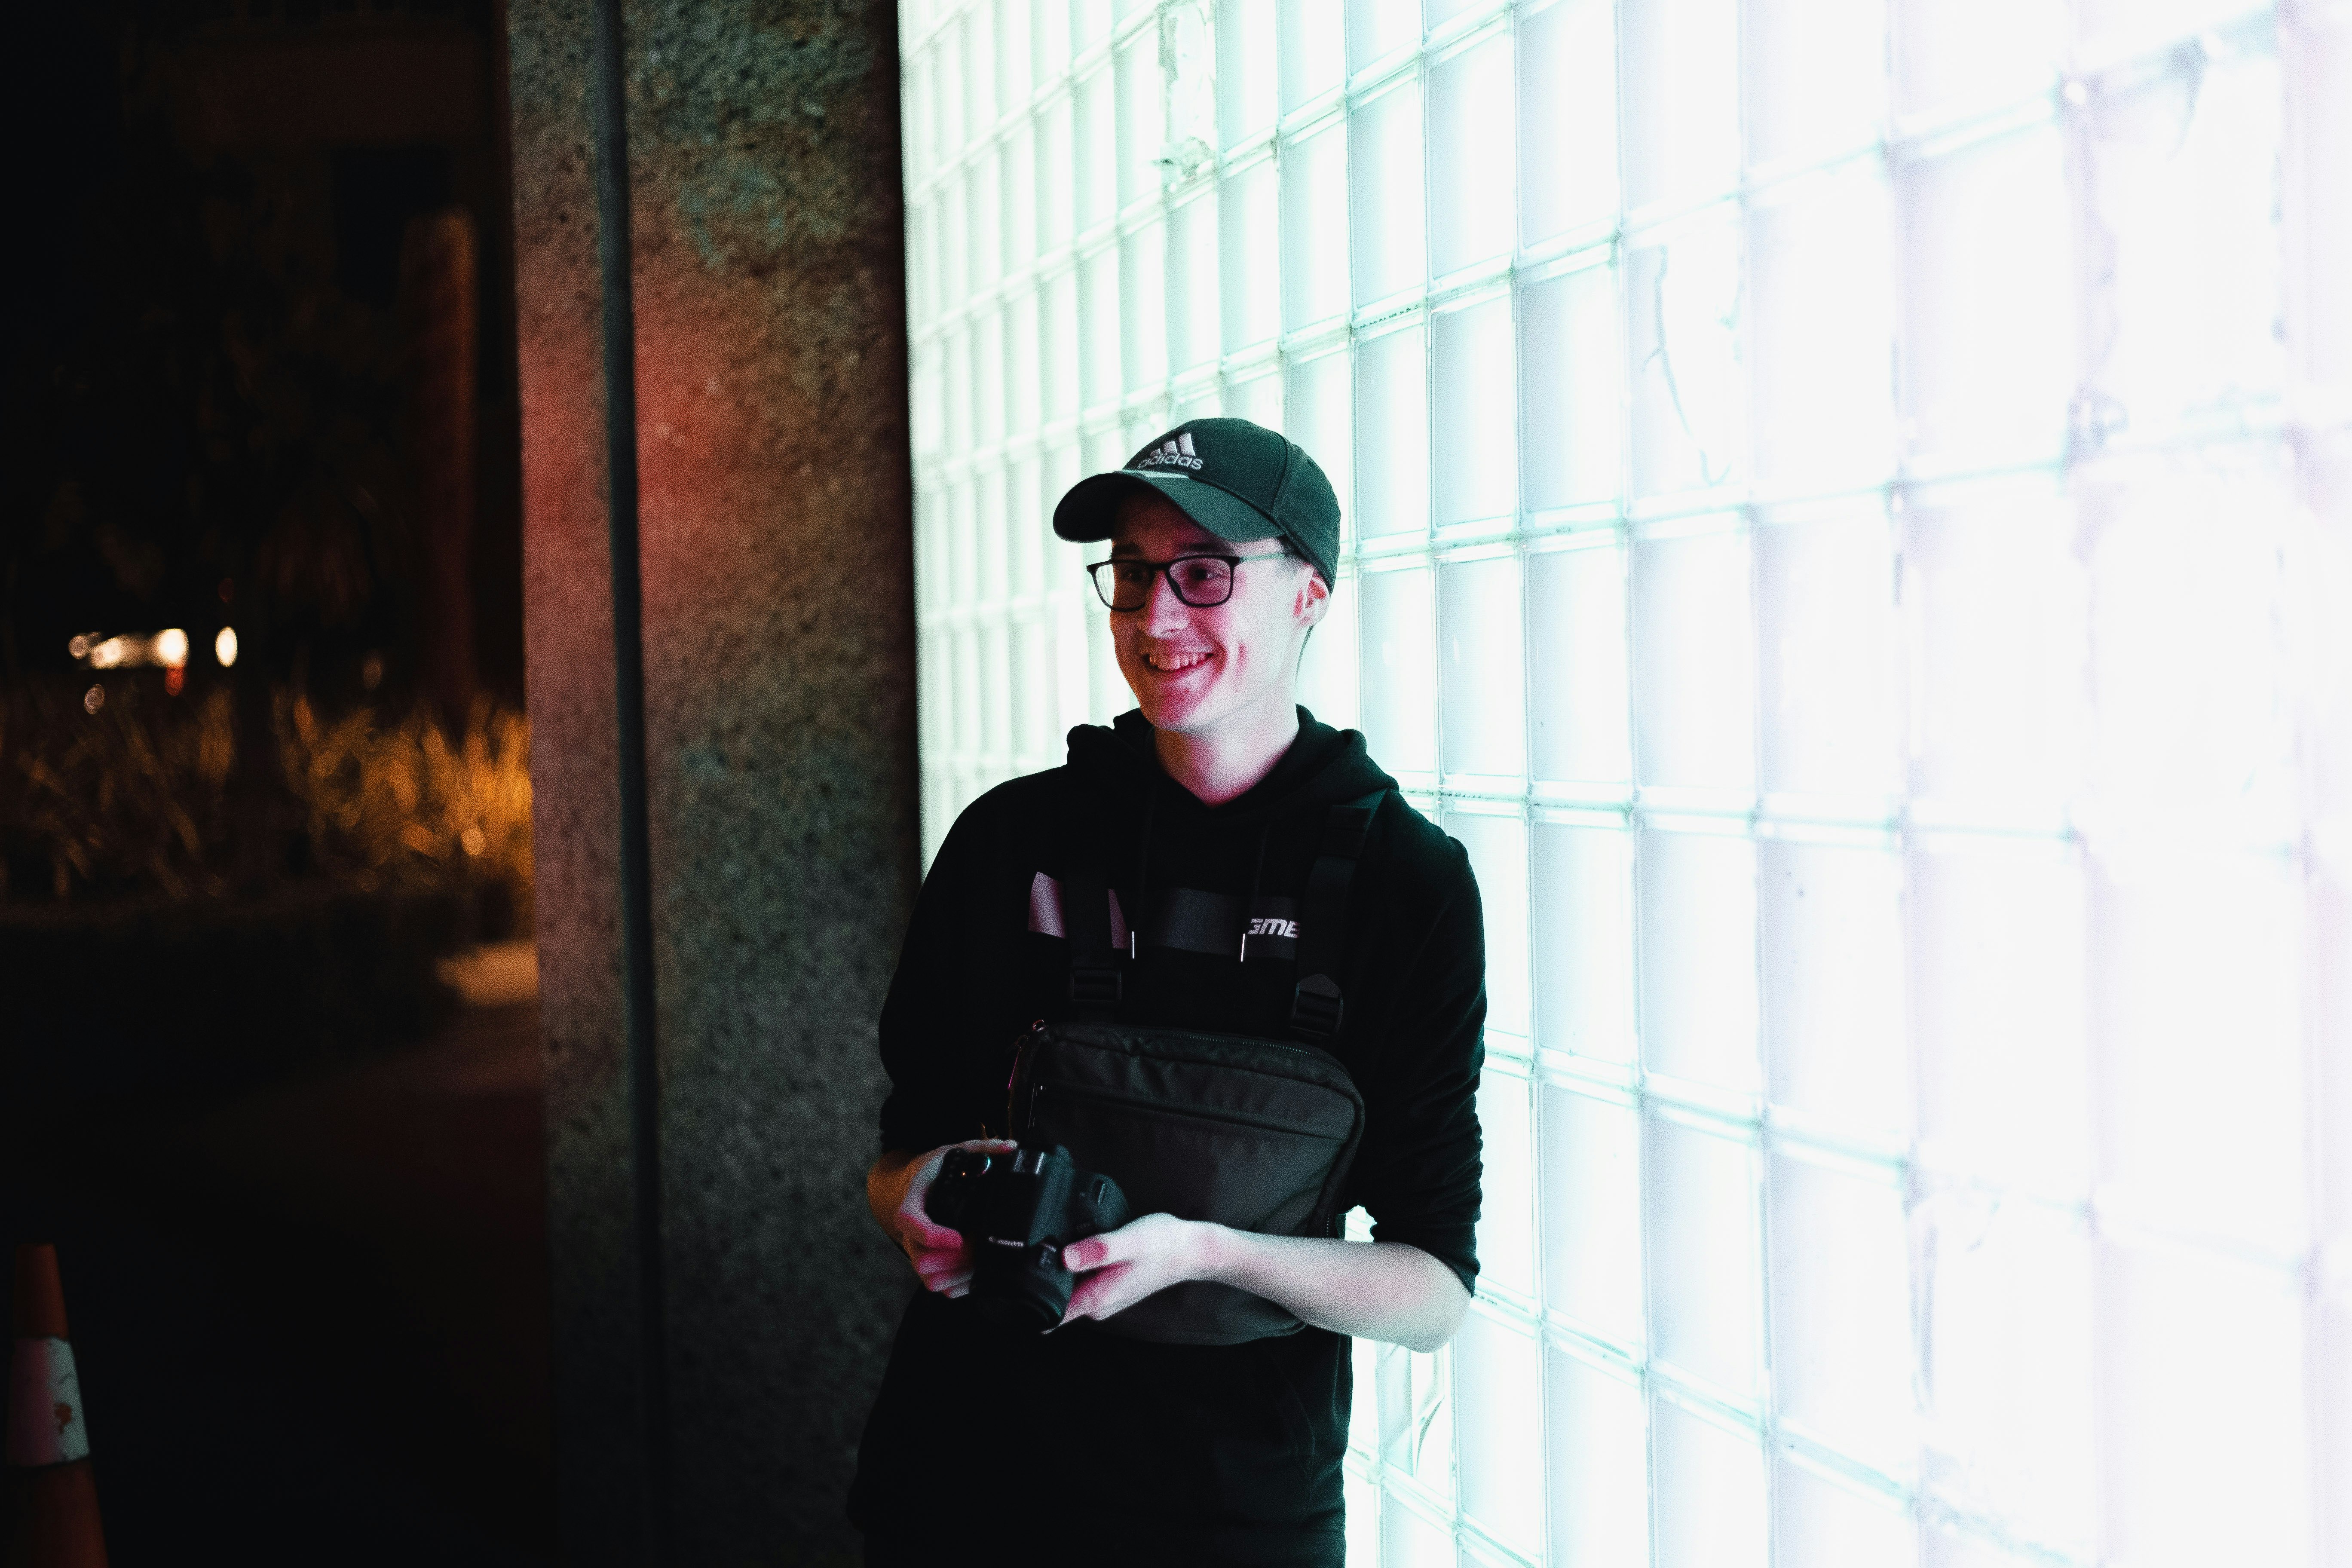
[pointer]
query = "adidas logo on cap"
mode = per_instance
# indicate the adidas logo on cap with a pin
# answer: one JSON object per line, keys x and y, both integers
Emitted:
{"x": 1175, "y": 452}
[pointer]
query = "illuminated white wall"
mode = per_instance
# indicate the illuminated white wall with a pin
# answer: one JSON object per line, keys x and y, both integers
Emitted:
{"x": 1849, "y": 518}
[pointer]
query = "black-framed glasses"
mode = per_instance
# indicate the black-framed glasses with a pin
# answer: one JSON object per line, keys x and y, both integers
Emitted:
{"x": 1204, "y": 582}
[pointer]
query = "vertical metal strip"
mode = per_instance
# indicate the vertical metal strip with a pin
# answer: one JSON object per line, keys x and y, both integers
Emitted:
{"x": 613, "y": 257}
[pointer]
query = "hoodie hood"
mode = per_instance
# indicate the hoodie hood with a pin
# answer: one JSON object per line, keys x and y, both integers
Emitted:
{"x": 1323, "y": 767}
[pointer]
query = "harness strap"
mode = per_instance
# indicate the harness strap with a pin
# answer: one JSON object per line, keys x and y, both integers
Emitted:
{"x": 1317, "y": 1006}
{"x": 1096, "y": 982}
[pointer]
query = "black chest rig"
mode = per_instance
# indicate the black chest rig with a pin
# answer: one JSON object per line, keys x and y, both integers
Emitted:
{"x": 1254, "y": 1132}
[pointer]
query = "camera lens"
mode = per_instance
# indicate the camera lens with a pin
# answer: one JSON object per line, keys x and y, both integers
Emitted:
{"x": 1024, "y": 1287}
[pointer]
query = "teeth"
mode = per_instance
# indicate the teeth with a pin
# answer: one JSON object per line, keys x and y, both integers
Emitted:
{"x": 1170, "y": 663}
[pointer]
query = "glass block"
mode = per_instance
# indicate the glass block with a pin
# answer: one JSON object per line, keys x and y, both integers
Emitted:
{"x": 1498, "y": 857}
{"x": 1364, "y": 1400}
{"x": 976, "y": 64}
{"x": 1057, "y": 215}
{"x": 1595, "y": 1427}
{"x": 1392, "y": 434}
{"x": 1690, "y": 390}
{"x": 1476, "y": 449}
{"x": 1831, "y": 656}
{"x": 1013, "y": 54}
{"x": 1023, "y": 407}
{"x": 1384, "y": 194}
{"x": 1315, "y": 226}
{"x": 1246, "y": 74}
{"x": 1500, "y": 1430}
{"x": 2112, "y": 30}
{"x": 1362, "y": 1497}
{"x": 1830, "y": 916}
{"x": 1944, "y": 1546}
{"x": 969, "y": 679}
{"x": 1248, "y": 224}
{"x": 957, "y": 384}
{"x": 1050, "y": 42}
{"x": 926, "y": 404}
{"x": 1989, "y": 323}
{"x": 1680, "y": 104}
{"x": 1591, "y": 1158}
{"x": 1257, "y": 398}
{"x": 1142, "y": 116}
{"x": 1841, "y": 1310}
{"x": 1568, "y": 120}
{"x": 990, "y": 383}
{"x": 1095, "y": 134}
{"x": 1816, "y": 74}
{"x": 1377, "y": 29}
{"x": 992, "y": 549}
{"x": 1693, "y": 663}
{"x": 1328, "y": 673}
{"x": 1699, "y": 1232}
{"x": 1312, "y": 49}
{"x": 1572, "y": 388}
{"x": 2199, "y": 954}
{"x": 1478, "y": 628}
{"x": 995, "y": 688}
{"x": 1019, "y": 183}
{"x": 1995, "y": 600}
{"x": 1058, "y": 345}
{"x": 1998, "y": 1011}
{"x": 987, "y": 212}
{"x": 1697, "y": 958}
{"x": 1193, "y": 264}
{"x": 1090, "y": 25}
{"x": 2182, "y": 186}
{"x": 1099, "y": 367}
{"x": 1820, "y": 1523}
{"x": 1822, "y": 332}
{"x": 950, "y": 125}
{"x": 2195, "y": 639}
{"x": 1143, "y": 300}
{"x": 1026, "y": 514}
{"x": 1582, "y": 899}
{"x": 2318, "y": 159}
{"x": 1471, "y": 184}
{"x": 2005, "y": 1364}
{"x": 1409, "y": 1539}
{"x": 1417, "y": 1417}
{"x": 2204, "y": 1412}
{"x": 1954, "y": 57}
{"x": 1581, "y": 712}
{"x": 1712, "y": 1498}
{"x": 955, "y": 244}
{"x": 2333, "y": 1382}
{"x": 1319, "y": 412}
{"x": 1399, "y": 660}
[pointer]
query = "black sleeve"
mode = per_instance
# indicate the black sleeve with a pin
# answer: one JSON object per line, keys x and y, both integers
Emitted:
{"x": 944, "y": 993}
{"x": 1417, "y": 1171}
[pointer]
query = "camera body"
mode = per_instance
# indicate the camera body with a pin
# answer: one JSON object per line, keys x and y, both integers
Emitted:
{"x": 1018, "y": 1211}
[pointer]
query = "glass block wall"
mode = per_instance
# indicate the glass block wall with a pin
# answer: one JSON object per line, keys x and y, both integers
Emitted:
{"x": 1849, "y": 519}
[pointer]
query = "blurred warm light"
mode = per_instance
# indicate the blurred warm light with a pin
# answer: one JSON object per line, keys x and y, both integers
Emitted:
{"x": 80, "y": 646}
{"x": 93, "y": 699}
{"x": 473, "y": 841}
{"x": 109, "y": 654}
{"x": 172, "y": 647}
{"x": 225, "y": 647}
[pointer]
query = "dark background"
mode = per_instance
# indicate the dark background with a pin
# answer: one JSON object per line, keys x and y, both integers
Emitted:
{"x": 296, "y": 1187}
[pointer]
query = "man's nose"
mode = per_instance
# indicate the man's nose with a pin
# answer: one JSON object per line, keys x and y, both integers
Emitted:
{"x": 1163, "y": 612}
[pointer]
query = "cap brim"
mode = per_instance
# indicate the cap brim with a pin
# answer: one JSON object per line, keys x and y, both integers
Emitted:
{"x": 1090, "y": 511}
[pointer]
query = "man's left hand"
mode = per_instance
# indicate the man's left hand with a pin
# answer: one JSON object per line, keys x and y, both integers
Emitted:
{"x": 1120, "y": 1268}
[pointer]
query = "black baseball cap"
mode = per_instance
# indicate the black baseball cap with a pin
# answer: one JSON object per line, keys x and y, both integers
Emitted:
{"x": 1237, "y": 480}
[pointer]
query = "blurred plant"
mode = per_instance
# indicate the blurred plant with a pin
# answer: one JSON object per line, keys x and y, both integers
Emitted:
{"x": 136, "y": 798}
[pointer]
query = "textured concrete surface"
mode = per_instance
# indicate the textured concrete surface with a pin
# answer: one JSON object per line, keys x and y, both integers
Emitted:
{"x": 775, "y": 506}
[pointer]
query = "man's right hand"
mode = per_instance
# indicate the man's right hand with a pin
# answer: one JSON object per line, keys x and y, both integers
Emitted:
{"x": 895, "y": 1190}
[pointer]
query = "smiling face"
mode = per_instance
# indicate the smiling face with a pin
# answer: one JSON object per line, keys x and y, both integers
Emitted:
{"x": 1231, "y": 667}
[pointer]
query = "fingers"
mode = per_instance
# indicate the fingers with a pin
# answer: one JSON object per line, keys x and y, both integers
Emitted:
{"x": 917, "y": 1228}
{"x": 1097, "y": 1251}
{"x": 1100, "y": 1294}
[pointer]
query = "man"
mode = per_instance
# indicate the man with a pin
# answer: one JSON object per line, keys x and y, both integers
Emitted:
{"x": 1207, "y": 805}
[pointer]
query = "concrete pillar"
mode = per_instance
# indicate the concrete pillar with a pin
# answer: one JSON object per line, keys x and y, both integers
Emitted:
{"x": 773, "y": 499}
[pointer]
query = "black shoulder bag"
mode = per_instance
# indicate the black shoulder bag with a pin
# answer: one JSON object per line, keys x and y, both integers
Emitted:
{"x": 1248, "y": 1132}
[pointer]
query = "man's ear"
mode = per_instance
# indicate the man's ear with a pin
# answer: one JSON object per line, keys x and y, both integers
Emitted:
{"x": 1314, "y": 596}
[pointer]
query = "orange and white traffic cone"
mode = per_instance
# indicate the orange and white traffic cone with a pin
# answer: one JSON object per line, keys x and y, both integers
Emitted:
{"x": 48, "y": 1447}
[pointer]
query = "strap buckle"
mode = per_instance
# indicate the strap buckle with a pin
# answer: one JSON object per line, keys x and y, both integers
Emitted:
{"x": 1095, "y": 987}
{"x": 1316, "y": 1008}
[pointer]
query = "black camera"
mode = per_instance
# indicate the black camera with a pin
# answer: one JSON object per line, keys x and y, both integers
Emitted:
{"x": 1017, "y": 1211}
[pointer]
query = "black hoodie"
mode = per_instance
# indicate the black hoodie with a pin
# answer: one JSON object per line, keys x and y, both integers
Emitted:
{"x": 1196, "y": 1453}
